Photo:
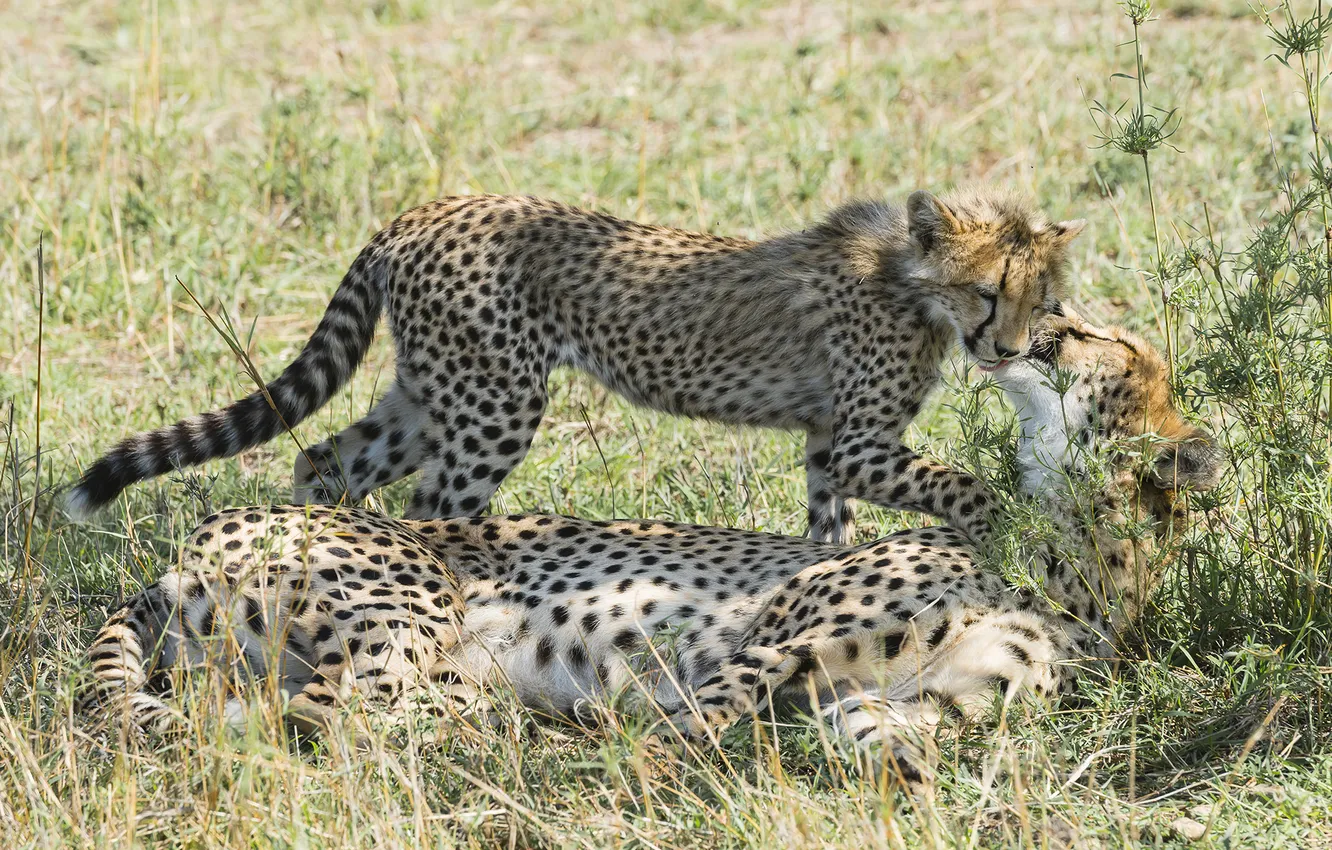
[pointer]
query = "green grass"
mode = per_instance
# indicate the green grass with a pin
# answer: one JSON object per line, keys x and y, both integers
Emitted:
{"x": 250, "y": 149}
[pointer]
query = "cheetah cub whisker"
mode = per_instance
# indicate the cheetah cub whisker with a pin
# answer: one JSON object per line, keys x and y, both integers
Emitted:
{"x": 332, "y": 603}
{"x": 838, "y": 331}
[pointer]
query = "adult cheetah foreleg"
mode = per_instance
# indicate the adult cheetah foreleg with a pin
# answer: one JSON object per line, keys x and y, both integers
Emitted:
{"x": 737, "y": 689}
{"x": 884, "y": 614}
{"x": 993, "y": 659}
{"x": 905, "y": 729}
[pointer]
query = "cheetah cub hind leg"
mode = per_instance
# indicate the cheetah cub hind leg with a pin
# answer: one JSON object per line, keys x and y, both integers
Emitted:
{"x": 832, "y": 518}
{"x": 382, "y": 448}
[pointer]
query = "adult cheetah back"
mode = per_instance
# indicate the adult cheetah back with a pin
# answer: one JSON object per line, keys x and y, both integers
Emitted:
{"x": 328, "y": 360}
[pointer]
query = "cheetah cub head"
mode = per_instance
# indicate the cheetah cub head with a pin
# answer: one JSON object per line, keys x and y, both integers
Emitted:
{"x": 1082, "y": 386}
{"x": 990, "y": 266}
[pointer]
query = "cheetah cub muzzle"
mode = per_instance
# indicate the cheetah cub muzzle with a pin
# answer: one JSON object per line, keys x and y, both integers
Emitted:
{"x": 837, "y": 331}
{"x": 332, "y": 606}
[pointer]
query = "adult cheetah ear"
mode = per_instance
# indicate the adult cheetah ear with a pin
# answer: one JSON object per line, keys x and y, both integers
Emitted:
{"x": 1063, "y": 232}
{"x": 928, "y": 219}
{"x": 1194, "y": 461}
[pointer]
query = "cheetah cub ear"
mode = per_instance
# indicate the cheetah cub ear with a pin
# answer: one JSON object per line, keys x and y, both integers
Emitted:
{"x": 1193, "y": 461}
{"x": 1063, "y": 232}
{"x": 929, "y": 219}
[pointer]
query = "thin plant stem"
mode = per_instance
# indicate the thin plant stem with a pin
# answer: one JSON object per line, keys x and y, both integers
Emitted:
{"x": 1151, "y": 193}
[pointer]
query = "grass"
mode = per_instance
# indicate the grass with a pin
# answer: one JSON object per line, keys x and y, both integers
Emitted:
{"x": 250, "y": 149}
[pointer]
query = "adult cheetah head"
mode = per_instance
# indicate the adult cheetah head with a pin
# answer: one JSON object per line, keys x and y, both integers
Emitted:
{"x": 1081, "y": 385}
{"x": 990, "y": 266}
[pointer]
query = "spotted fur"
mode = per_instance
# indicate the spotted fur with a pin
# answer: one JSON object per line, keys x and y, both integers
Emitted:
{"x": 837, "y": 331}
{"x": 700, "y": 623}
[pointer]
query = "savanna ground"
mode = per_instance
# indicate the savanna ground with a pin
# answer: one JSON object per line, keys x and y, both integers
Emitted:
{"x": 247, "y": 150}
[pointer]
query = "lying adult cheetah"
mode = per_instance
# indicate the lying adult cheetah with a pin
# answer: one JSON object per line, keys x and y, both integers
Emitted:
{"x": 838, "y": 330}
{"x": 702, "y": 623}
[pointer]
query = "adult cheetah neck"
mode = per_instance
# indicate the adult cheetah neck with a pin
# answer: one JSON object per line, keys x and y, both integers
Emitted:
{"x": 1108, "y": 559}
{"x": 1097, "y": 581}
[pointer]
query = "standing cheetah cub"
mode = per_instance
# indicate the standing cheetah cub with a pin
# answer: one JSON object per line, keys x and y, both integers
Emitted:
{"x": 838, "y": 331}
{"x": 331, "y": 603}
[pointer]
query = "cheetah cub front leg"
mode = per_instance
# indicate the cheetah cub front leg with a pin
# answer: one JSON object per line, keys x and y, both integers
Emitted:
{"x": 832, "y": 518}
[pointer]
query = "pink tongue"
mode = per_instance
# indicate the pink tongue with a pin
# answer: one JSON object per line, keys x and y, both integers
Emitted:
{"x": 984, "y": 368}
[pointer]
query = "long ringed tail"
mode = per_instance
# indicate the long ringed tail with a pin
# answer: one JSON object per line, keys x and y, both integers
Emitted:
{"x": 328, "y": 360}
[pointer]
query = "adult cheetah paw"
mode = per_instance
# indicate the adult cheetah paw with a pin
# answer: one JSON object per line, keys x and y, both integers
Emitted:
{"x": 904, "y": 757}
{"x": 689, "y": 726}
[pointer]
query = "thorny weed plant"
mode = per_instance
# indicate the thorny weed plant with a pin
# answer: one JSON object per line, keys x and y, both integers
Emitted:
{"x": 1138, "y": 133}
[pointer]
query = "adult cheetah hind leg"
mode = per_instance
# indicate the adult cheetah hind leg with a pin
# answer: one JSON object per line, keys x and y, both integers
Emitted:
{"x": 389, "y": 695}
{"x": 383, "y": 447}
{"x": 124, "y": 660}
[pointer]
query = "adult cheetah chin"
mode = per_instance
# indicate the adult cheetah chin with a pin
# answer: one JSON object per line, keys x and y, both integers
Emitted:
{"x": 837, "y": 331}
{"x": 338, "y": 607}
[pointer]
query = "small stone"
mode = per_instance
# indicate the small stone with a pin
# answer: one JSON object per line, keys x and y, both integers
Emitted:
{"x": 1202, "y": 811}
{"x": 1188, "y": 828}
{"x": 1275, "y": 793}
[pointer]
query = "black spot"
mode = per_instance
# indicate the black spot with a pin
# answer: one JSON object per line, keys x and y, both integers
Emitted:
{"x": 577, "y": 655}
{"x": 893, "y": 644}
{"x": 937, "y": 636}
{"x": 544, "y": 650}
{"x": 254, "y": 616}
{"x": 1018, "y": 652}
